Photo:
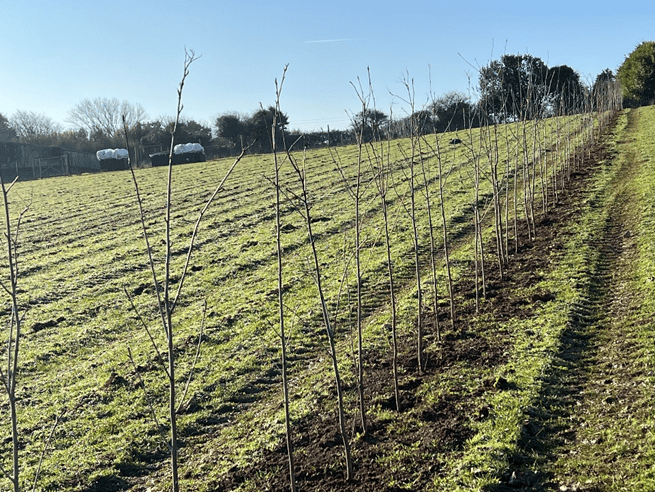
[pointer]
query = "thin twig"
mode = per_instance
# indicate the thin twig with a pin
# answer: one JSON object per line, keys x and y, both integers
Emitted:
{"x": 5, "y": 473}
{"x": 160, "y": 359}
{"x": 195, "y": 359}
{"x": 146, "y": 238}
{"x": 45, "y": 447}
{"x": 194, "y": 234}
{"x": 145, "y": 393}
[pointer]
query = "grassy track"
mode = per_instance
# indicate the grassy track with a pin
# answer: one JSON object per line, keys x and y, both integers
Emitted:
{"x": 578, "y": 415}
{"x": 602, "y": 431}
{"x": 81, "y": 245}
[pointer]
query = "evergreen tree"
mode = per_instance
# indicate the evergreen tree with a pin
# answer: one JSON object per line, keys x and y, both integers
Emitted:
{"x": 637, "y": 75}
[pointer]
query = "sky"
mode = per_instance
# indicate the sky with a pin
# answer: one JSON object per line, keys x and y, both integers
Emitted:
{"x": 54, "y": 54}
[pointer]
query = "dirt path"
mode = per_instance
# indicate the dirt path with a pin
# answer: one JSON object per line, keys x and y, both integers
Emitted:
{"x": 589, "y": 435}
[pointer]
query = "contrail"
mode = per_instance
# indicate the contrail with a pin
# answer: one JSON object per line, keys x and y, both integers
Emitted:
{"x": 331, "y": 40}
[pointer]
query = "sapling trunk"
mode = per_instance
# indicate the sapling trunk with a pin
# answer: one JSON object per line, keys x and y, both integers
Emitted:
{"x": 558, "y": 157}
{"x": 533, "y": 184}
{"x": 304, "y": 198}
{"x": 392, "y": 297}
{"x": 8, "y": 376}
{"x": 168, "y": 311}
{"x": 285, "y": 386}
{"x": 360, "y": 314}
{"x": 507, "y": 176}
{"x": 498, "y": 212}
{"x": 515, "y": 196}
{"x": 413, "y": 216}
{"x": 358, "y": 266}
{"x": 526, "y": 180}
{"x": 569, "y": 151}
{"x": 482, "y": 264}
{"x": 382, "y": 176}
{"x": 444, "y": 225}
{"x": 412, "y": 212}
{"x": 477, "y": 233}
{"x": 433, "y": 254}
{"x": 355, "y": 193}
{"x": 479, "y": 254}
{"x": 546, "y": 183}
{"x": 166, "y": 303}
{"x": 280, "y": 291}
{"x": 538, "y": 153}
{"x": 491, "y": 148}
{"x": 417, "y": 264}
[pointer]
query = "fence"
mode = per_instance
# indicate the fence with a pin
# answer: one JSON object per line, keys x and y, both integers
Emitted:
{"x": 35, "y": 161}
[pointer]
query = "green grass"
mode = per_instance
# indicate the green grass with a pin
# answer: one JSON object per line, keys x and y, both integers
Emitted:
{"x": 81, "y": 244}
{"x": 537, "y": 341}
{"x": 618, "y": 442}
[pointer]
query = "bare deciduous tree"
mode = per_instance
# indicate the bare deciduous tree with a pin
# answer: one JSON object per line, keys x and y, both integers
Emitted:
{"x": 383, "y": 169}
{"x": 34, "y": 128}
{"x": 102, "y": 116}
{"x": 165, "y": 300}
{"x": 280, "y": 290}
{"x": 411, "y": 160}
{"x": 304, "y": 206}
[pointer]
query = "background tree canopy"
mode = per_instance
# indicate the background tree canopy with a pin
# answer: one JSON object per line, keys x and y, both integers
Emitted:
{"x": 371, "y": 124}
{"x": 102, "y": 117}
{"x": 7, "y": 134}
{"x": 637, "y": 75}
{"x": 454, "y": 111}
{"x": 260, "y": 124}
{"x": 34, "y": 128}
{"x": 451, "y": 112}
{"x": 564, "y": 90}
{"x": 231, "y": 128}
{"x": 513, "y": 87}
{"x": 605, "y": 82}
{"x": 519, "y": 87}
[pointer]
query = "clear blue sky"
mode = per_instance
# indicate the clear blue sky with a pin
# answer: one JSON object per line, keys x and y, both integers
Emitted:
{"x": 53, "y": 54}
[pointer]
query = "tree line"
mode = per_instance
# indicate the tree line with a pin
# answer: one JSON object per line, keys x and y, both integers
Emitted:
{"x": 511, "y": 88}
{"x": 97, "y": 124}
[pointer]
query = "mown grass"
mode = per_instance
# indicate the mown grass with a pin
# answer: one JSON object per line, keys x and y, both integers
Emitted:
{"x": 81, "y": 245}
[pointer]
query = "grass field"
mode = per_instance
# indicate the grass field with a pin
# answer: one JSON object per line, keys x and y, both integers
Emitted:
{"x": 81, "y": 246}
